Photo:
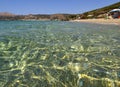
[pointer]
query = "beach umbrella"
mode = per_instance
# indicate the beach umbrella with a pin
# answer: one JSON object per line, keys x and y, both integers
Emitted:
{"x": 115, "y": 10}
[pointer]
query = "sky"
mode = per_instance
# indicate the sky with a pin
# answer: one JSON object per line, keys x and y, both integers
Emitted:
{"x": 52, "y": 6}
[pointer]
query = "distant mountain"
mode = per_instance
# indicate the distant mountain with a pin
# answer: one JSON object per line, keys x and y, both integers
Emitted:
{"x": 6, "y": 14}
{"x": 97, "y": 12}
{"x": 62, "y": 17}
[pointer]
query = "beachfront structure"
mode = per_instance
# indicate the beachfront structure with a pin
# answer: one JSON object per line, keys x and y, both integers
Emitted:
{"x": 115, "y": 13}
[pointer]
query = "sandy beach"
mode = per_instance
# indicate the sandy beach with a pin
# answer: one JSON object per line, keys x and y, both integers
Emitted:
{"x": 100, "y": 21}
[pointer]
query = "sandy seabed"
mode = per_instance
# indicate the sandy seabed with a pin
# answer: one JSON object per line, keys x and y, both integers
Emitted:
{"x": 100, "y": 21}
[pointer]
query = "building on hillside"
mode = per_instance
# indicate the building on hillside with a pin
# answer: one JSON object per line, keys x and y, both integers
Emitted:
{"x": 115, "y": 13}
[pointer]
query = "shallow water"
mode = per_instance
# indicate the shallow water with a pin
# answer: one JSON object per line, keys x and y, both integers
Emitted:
{"x": 59, "y": 54}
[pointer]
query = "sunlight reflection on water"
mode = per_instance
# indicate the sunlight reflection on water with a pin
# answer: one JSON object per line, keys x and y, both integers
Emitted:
{"x": 59, "y": 54}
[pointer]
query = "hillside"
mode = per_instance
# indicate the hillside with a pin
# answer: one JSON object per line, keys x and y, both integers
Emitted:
{"x": 101, "y": 11}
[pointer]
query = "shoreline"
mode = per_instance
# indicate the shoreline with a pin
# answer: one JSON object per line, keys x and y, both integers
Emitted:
{"x": 99, "y": 21}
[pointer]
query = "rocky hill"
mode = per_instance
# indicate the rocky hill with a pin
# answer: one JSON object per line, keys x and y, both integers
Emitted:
{"x": 61, "y": 17}
{"x": 6, "y": 14}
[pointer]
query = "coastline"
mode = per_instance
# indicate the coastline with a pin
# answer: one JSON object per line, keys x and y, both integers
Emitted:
{"x": 99, "y": 21}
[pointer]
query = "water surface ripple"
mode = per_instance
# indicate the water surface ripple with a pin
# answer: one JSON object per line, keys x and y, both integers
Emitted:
{"x": 59, "y": 54}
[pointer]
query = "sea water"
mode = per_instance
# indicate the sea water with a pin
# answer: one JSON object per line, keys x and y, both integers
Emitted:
{"x": 59, "y": 54}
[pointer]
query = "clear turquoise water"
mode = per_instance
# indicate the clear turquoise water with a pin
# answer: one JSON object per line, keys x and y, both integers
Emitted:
{"x": 59, "y": 54}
